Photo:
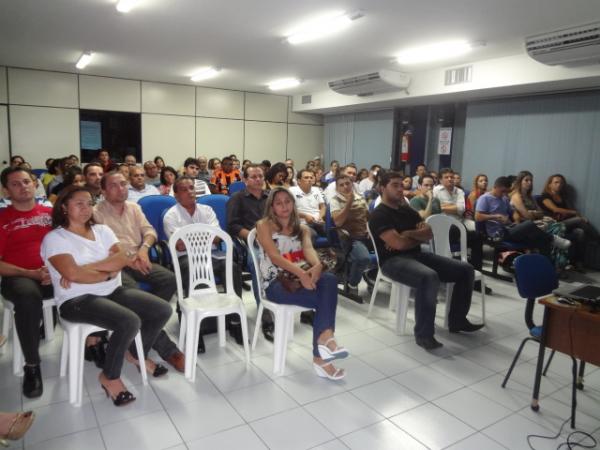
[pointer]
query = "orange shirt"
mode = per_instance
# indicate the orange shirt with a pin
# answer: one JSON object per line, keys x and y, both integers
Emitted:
{"x": 223, "y": 180}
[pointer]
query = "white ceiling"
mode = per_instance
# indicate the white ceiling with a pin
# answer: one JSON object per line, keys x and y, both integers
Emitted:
{"x": 167, "y": 40}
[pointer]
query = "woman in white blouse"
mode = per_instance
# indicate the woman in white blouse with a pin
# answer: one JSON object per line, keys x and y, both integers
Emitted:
{"x": 85, "y": 262}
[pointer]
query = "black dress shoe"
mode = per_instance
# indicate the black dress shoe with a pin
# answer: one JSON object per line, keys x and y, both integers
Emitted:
{"x": 32, "y": 382}
{"x": 96, "y": 353}
{"x": 477, "y": 287}
{"x": 466, "y": 327}
{"x": 268, "y": 328}
{"x": 307, "y": 317}
{"x": 235, "y": 331}
{"x": 428, "y": 343}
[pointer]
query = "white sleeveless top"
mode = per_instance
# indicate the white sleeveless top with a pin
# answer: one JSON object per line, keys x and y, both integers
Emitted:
{"x": 290, "y": 248}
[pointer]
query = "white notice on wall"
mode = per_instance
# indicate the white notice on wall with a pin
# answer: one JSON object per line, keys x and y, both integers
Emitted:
{"x": 444, "y": 141}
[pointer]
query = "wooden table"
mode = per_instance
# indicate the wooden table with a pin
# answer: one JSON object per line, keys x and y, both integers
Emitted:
{"x": 572, "y": 330}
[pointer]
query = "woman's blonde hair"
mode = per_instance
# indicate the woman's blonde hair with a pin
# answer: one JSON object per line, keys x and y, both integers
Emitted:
{"x": 270, "y": 214}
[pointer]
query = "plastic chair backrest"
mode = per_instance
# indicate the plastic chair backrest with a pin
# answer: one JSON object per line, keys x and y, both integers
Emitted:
{"x": 218, "y": 202}
{"x": 38, "y": 172}
{"x": 373, "y": 242}
{"x": 535, "y": 276}
{"x": 253, "y": 250}
{"x": 198, "y": 240}
{"x": 153, "y": 207}
{"x": 236, "y": 186}
{"x": 440, "y": 227}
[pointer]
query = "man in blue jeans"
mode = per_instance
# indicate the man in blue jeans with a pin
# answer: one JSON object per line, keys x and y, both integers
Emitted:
{"x": 399, "y": 231}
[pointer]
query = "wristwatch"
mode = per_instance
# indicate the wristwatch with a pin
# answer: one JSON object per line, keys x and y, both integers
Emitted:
{"x": 145, "y": 244}
{"x": 130, "y": 253}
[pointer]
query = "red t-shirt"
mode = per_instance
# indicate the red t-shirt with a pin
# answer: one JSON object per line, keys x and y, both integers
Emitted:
{"x": 21, "y": 235}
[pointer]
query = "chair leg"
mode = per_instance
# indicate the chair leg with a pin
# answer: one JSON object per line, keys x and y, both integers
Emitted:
{"x": 257, "y": 325}
{"x": 221, "y": 329}
{"x": 548, "y": 363}
{"x": 580, "y": 376}
{"x": 374, "y": 293}
{"x": 64, "y": 355}
{"x": 244, "y": 322}
{"x": 139, "y": 348}
{"x": 47, "y": 312}
{"x": 449, "y": 289}
{"x": 189, "y": 345}
{"x": 515, "y": 359}
{"x": 182, "y": 330}
{"x": 482, "y": 299}
{"x": 280, "y": 341}
{"x": 6, "y": 319}
{"x": 75, "y": 365}
{"x": 574, "y": 392}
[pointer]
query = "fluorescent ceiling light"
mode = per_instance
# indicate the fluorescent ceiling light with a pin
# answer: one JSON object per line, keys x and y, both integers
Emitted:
{"x": 323, "y": 27}
{"x": 284, "y": 83}
{"x": 207, "y": 72}
{"x": 433, "y": 52}
{"x": 84, "y": 60}
{"x": 125, "y": 6}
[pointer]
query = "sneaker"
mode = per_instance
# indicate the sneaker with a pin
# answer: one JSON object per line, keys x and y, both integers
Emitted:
{"x": 352, "y": 290}
{"x": 32, "y": 382}
{"x": 561, "y": 243}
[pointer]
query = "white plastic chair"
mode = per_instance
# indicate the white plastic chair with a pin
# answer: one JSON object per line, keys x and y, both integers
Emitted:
{"x": 8, "y": 322}
{"x": 72, "y": 355}
{"x": 440, "y": 226}
{"x": 399, "y": 297}
{"x": 203, "y": 302}
{"x": 284, "y": 314}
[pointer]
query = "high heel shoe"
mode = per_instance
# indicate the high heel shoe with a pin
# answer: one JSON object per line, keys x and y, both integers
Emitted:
{"x": 122, "y": 397}
{"x": 19, "y": 426}
{"x": 159, "y": 369}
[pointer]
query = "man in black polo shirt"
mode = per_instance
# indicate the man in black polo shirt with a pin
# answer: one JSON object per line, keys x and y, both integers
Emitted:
{"x": 399, "y": 231}
{"x": 244, "y": 209}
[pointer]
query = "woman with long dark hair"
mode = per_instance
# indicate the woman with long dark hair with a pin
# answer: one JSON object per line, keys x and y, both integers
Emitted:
{"x": 286, "y": 249}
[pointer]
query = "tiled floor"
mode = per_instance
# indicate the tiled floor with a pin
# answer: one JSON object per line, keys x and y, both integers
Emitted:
{"x": 395, "y": 395}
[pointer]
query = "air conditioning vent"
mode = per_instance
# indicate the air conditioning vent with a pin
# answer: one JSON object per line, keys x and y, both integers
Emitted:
{"x": 306, "y": 99}
{"x": 458, "y": 76}
{"x": 578, "y": 45}
{"x": 371, "y": 83}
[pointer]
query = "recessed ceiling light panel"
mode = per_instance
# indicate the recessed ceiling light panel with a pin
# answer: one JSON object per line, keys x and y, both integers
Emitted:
{"x": 433, "y": 52}
{"x": 284, "y": 83}
{"x": 207, "y": 72}
{"x": 322, "y": 27}
{"x": 125, "y": 6}
{"x": 84, "y": 60}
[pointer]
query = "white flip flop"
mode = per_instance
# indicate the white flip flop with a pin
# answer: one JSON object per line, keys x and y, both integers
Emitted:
{"x": 327, "y": 354}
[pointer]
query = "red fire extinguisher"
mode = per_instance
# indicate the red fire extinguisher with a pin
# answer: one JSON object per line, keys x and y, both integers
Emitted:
{"x": 405, "y": 146}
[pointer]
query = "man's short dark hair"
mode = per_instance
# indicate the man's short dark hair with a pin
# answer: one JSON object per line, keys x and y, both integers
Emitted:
{"x": 375, "y": 166}
{"x": 88, "y": 166}
{"x": 427, "y": 175}
{"x": 227, "y": 158}
{"x": 251, "y": 166}
{"x": 301, "y": 172}
{"x": 180, "y": 180}
{"x": 107, "y": 175}
{"x": 388, "y": 176}
{"x": 10, "y": 170}
{"x": 342, "y": 176}
{"x": 420, "y": 165}
{"x": 502, "y": 182}
{"x": 190, "y": 161}
{"x": 445, "y": 170}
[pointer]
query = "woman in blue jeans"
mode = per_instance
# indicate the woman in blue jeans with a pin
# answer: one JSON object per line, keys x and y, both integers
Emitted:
{"x": 85, "y": 262}
{"x": 285, "y": 245}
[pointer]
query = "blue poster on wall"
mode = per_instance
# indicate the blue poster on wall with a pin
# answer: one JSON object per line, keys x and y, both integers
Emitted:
{"x": 91, "y": 135}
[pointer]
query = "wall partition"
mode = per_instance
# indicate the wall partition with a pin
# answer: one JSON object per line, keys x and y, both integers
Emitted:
{"x": 40, "y": 114}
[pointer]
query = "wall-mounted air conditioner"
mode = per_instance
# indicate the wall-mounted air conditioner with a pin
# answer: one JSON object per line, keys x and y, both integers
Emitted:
{"x": 571, "y": 46}
{"x": 371, "y": 83}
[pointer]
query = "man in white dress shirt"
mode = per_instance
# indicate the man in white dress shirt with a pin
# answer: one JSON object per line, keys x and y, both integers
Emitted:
{"x": 309, "y": 202}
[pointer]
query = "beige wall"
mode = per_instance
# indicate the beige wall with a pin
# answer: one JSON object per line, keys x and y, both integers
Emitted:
{"x": 42, "y": 118}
